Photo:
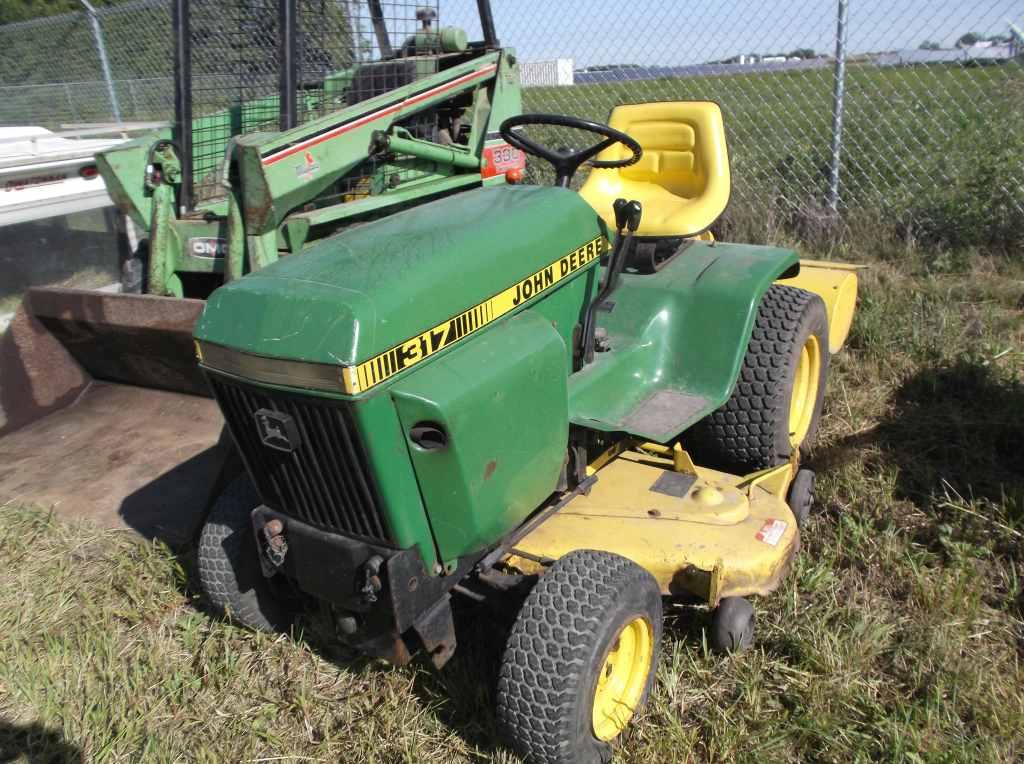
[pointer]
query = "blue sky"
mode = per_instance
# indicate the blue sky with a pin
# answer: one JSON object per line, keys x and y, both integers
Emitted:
{"x": 674, "y": 32}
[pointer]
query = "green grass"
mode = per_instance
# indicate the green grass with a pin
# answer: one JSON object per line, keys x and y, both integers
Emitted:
{"x": 899, "y": 636}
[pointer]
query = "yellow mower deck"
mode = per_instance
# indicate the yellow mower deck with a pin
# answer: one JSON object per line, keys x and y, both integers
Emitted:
{"x": 698, "y": 531}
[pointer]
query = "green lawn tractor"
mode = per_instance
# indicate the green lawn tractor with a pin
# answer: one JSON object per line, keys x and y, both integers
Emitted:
{"x": 575, "y": 398}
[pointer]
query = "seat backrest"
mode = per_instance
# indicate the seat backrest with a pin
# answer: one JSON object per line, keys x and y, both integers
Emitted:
{"x": 682, "y": 179}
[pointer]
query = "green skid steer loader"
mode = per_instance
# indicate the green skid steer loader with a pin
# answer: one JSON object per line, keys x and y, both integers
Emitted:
{"x": 578, "y": 402}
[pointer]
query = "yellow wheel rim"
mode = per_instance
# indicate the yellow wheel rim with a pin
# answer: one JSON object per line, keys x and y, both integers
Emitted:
{"x": 805, "y": 391}
{"x": 623, "y": 676}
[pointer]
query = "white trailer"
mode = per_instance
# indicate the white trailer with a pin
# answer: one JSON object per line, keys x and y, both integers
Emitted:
{"x": 57, "y": 223}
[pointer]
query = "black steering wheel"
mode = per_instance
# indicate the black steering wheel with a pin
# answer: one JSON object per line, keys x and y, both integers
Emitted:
{"x": 566, "y": 163}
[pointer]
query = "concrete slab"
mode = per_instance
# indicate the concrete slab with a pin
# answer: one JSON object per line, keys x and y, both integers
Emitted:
{"x": 121, "y": 456}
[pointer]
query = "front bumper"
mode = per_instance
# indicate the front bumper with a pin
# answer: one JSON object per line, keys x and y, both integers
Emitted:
{"x": 383, "y": 594}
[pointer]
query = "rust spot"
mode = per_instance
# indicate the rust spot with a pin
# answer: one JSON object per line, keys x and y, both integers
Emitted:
{"x": 492, "y": 465}
{"x": 654, "y": 513}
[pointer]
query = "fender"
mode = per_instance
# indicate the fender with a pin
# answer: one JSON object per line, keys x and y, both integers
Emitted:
{"x": 836, "y": 285}
{"x": 677, "y": 340}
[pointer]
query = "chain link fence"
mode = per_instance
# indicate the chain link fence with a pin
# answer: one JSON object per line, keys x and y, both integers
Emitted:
{"x": 908, "y": 113}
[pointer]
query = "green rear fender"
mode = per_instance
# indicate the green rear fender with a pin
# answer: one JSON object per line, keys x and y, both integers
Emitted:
{"x": 677, "y": 339}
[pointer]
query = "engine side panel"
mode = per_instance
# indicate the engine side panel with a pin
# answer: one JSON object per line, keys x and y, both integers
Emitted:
{"x": 502, "y": 402}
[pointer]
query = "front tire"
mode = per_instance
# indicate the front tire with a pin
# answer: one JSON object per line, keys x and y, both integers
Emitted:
{"x": 581, "y": 659}
{"x": 229, "y": 564}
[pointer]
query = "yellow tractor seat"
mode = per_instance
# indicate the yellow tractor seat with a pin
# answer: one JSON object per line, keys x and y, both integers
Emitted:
{"x": 682, "y": 179}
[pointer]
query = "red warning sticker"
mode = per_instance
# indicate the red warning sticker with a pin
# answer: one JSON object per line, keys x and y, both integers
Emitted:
{"x": 501, "y": 158}
{"x": 771, "y": 532}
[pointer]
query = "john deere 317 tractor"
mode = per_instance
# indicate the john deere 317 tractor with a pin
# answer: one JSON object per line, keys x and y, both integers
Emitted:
{"x": 520, "y": 382}
{"x": 460, "y": 384}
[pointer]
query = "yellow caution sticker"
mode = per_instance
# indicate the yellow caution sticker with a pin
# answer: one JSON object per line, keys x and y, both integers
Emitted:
{"x": 358, "y": 379}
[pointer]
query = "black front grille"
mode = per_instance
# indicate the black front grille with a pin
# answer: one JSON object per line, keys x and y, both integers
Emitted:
{"x": 324, "y": 479}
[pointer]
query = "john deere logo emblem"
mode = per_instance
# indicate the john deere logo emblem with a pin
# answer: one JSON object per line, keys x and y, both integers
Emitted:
{"x": 277, "y": 430}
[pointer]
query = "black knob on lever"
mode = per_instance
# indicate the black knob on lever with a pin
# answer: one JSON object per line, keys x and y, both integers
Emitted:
{"x": 621, "y": 213}
{"x": 634, "y": 211}
{"x": 627, "y": 214}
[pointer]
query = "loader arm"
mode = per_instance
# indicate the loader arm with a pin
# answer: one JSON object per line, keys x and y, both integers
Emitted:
{"x": 282, "y": 171}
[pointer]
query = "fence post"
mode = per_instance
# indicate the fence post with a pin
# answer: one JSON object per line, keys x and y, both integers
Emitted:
{"x": 101, "y": 50}
{"x": 71, "y": 102}
{"x": 288, "y": 81}
{"x": 838, "y": 99}
{"x": 181, "y": 23}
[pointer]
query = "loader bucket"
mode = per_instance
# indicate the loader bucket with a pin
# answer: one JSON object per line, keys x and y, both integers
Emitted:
{"x": 104, "y": 413}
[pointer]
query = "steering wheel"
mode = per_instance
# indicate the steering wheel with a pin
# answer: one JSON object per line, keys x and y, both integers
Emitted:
{"x": 567, "y": 163}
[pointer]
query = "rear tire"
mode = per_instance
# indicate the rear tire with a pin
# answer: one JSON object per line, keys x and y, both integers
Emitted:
{"x": 580, "y": 660}
{"x": 229, "y": 565}
{"x": 776, "y": 404}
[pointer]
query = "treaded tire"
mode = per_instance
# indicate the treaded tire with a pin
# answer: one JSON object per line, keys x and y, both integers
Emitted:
{"x": 751, "y": 431}
{"x": 229, "y": 565}
{"x": 557, "y": 648}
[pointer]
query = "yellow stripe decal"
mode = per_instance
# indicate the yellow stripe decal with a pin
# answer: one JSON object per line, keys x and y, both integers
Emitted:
{"x": 358, "y": 379}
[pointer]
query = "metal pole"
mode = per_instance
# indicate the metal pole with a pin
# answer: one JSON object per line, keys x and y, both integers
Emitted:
{"x": 487, "y": 23}
{"x": 288, "y": 83}
{"x": 838, "y": 96}
{"x": 71, "y": 102}
{"x": 380, "y": 29}
{"x": 101, "y": 49}
{"x": 183, "y": 97}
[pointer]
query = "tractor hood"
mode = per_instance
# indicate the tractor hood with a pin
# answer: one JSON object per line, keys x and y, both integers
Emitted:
{"x": 368, "y": 289}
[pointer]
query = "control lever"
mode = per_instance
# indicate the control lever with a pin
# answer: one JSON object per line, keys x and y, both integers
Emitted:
{"x": 627, "y": 215}
{"x": 627, "y": 221}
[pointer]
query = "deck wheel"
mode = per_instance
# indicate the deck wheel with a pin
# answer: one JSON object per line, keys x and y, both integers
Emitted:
{"x": 732, "y": 625}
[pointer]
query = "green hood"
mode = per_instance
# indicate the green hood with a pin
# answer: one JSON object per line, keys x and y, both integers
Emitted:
{"x": 365, "y": 290}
